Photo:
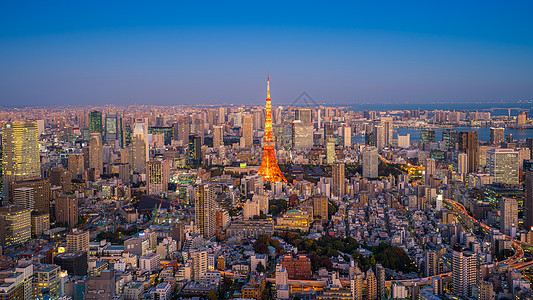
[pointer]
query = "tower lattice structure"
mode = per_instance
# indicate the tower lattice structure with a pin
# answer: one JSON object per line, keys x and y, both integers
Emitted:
{"x": 269, "y": 168}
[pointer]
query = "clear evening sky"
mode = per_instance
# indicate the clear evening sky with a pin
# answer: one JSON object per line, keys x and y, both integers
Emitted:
{"x": 180, "y": 52}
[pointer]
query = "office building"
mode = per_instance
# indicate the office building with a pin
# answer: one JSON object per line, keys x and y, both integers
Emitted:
{"x": 20, "y": 154}
{"x": 302, "y": 135}
{"x": 387, "y": 123}
{"x": 75, "y": 263}
{"x": 450, "y": 137}
{"x": 157, "y": 176}
{"x": 330, "y": 151}
{"x": 204, "y": 207}
{"x": 140, "y": 147}
{"x": 195, "y": 150}
{"x": 23, "y": 196}
{"x": 503, "y": 165}
{"x": 370, "y": 162}
{"x": 113, "y": 129}
{"x": 297, "y": 268}
{"x": 15, "y": 225}
{"x": 497, "y": 135}
{"x": 347, "y": 136}
{"x": 46, "y": 281}
{"x": 96, "y": 155}
{"x": 95, "y": 122}
{"x": 404, "y": 141}
{"x": 427, "y": 136}
{"x": 469, "y": 144}
{"x": 329, "y": 129}
{"x": 66, "y": 209}
{"x": 464, "y": 272}
{"x": 304, "y": 115}
{"x": 41, "y": 189}
{"x": 40, "y": 222}
{"x": 509, "y": 216}
{"x": 337, "y": 172}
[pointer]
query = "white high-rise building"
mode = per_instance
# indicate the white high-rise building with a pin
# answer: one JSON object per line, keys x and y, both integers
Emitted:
{"x": 404, "y": 141}
{"x": 464, "y": 272}
{"x": 347, "y": 136}
{"x": 509, "y": 216}
{"x": 503, "y": 165}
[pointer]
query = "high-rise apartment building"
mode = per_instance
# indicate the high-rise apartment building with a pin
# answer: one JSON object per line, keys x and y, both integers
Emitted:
{"x": 469, "y": 144}
{"x": 76, "y": 165}
{"x": 248, "y": 130}
{"x": 370, "y": 162}
{"x": 430, "y": 169}
{"x": 218, "y": 136}
{"x": 96, "y": 155}
{"x": 387, "y": 123}
{"x": 464, "y": 272}
{"x": 503, "y": 165}
{"x": 371, "y": 285}
{"x": 380, "y": 276}
{"x": 320, "y": 207}
{"x": 462, "y": 165}
{"x": 379, "y": 137}
{"x": 497, "y": 135}
{"x": 204, "y": 207}
{"x": 347, "y": 136}
{"x": 528, "y": 201}
{"x": 78, "y": 241}
{"x": 183, "y": 130}
{"x": 66, "y": 210}
{"x": 509, "y": 216}
{"x": 337, "y": 172}
{"x": 20, "y": 154}
{"x": 157, "y": 176}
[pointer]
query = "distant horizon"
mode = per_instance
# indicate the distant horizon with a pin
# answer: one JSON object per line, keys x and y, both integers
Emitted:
{"x": 61, "y": 52}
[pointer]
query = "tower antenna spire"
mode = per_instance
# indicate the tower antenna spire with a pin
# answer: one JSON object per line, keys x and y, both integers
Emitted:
{"x": 268, "y": 85}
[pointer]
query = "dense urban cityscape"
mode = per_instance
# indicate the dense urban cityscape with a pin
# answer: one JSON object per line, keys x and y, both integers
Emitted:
{"x": 264, "y": 202}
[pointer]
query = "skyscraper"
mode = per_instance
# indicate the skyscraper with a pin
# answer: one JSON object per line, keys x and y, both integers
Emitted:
{"x": 218, "y": 136}
{"x": 66, "y": 210}
{"x": 429, "y": 172}
{"x": 337, "y": 172}
{"x": 509, "y": 216}
{"x": 157, "y": 176}
{"x": 195, "y": 150}
{"x": 462, "y": 165}
{"x": 371, "y": 285}
{"x": 304, "y": 115}
{"x": 269, "y": 168}
{"x": 20, "y": 155}
{"x": 379, "y": 136}
{"x": 76, "y": 165}
{"x": 330, "y": 151}
{"x": 387, "y": 123}
{"x": 183, "y": 130}
{"x": 204, "y": 208}
{"x": 469, "y": 144}
{"x": 503, "y": 165}
{"x": 95, "y": 121}
{"x": 370, "y": 162}
{"x": 528, "y": 202}
{"x": 140, "y": 147}
{"x": 427, "y": 136}
{"x": 347, "y": 136}
{"x": 380, "y": 276}
{"x": 328, "y": 131}
{"x": 248, "y": 130}
{"x": 449, "y": 136}
{"x": 96, "y": 155}
{"x": 497, "y": 135}
{"x": 113, "y": 129}
{"x": 302, "y": 135}
{"x": 464, "y": 271}
{"x": 23, "y": 196}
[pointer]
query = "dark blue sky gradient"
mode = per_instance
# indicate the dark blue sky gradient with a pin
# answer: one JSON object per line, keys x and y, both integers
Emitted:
{"x": 71, "y": 52}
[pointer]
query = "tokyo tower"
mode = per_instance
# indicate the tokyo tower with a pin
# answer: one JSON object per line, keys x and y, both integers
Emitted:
{"x": 269, "y": 167}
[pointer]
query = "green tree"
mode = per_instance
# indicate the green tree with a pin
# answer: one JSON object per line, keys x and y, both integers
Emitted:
{"x": 212, "y": 295}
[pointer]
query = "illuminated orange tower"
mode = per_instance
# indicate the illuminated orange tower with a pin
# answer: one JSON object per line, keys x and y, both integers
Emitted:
{"x": 269, "y": 167}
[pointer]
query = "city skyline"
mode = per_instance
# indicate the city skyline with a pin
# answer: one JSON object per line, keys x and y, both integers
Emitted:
{"x": 345, "y": 54}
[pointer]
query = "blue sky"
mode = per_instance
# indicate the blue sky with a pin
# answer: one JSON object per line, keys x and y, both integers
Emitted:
{"x": 71, "y": 52}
